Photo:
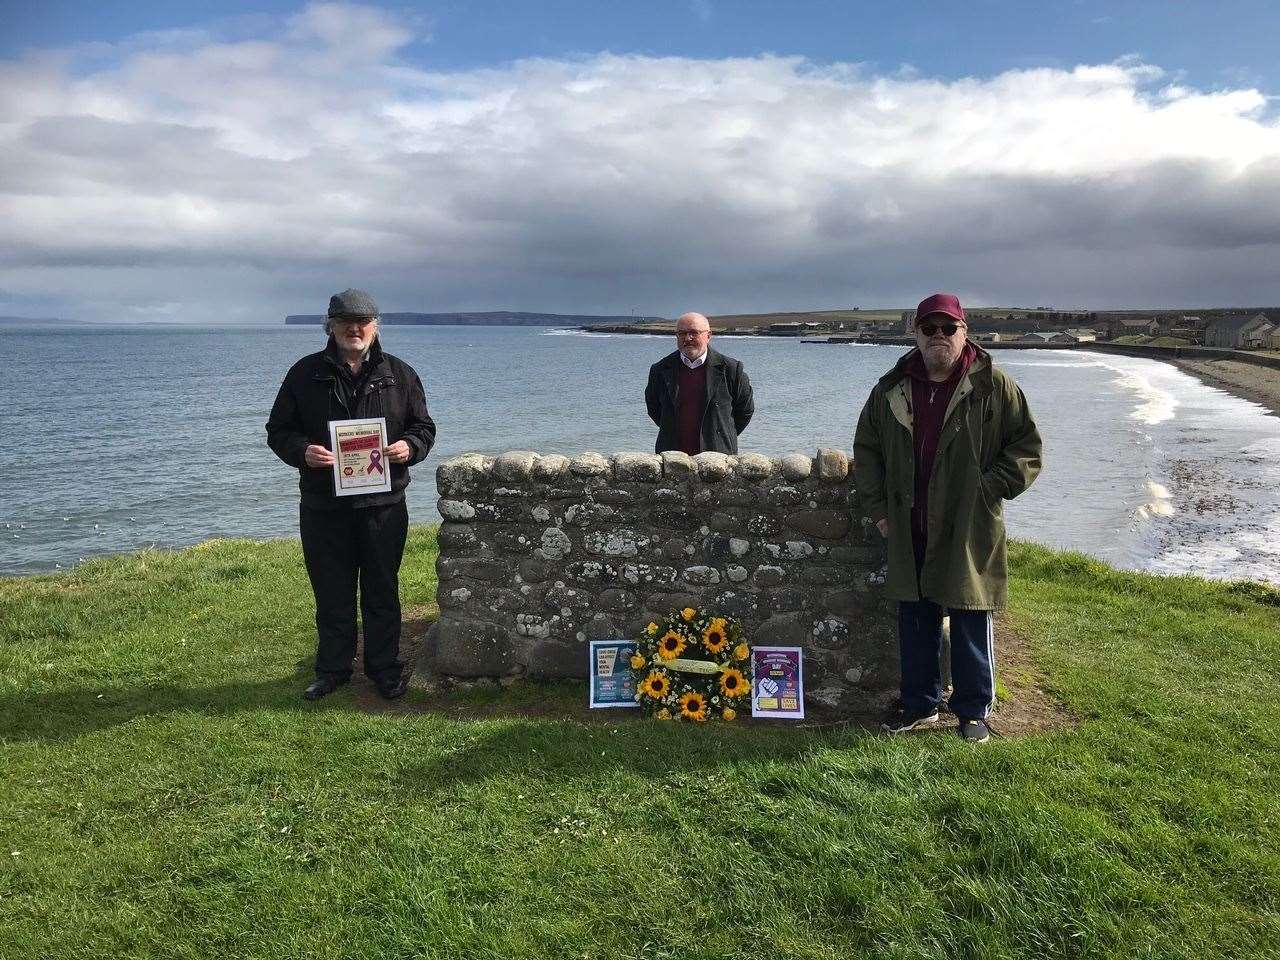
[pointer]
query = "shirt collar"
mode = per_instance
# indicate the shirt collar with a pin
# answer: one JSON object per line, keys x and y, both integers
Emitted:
{"x": 693, "y": 364}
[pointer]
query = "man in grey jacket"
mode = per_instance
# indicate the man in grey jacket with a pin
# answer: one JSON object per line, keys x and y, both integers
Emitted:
{"x": 699, "y": 398}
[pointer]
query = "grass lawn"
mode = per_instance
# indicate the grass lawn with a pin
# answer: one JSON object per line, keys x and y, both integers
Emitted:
{"x": 166, "y": 793}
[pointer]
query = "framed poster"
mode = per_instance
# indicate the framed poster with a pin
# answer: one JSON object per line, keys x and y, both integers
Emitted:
{"x": 612, "y": 682}
{"x": 778, "y": 690}
{"x": 359, "y": 456}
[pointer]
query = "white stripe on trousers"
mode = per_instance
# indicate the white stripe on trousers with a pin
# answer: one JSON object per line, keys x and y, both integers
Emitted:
{"x": 991, "y": 663}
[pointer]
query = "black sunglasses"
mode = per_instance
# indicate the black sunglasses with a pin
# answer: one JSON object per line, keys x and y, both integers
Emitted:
{"x": 948, "y": 329}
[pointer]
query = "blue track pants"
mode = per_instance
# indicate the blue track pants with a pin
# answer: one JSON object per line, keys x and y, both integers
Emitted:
{"x": 973, "y": 667}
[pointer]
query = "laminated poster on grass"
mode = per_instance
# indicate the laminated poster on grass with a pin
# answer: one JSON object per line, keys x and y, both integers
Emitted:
{"x": 778, "y": 691}
{"x": 613, "y": 683}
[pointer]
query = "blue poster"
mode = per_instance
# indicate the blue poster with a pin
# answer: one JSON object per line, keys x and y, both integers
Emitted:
{"x": 612, "y": 682}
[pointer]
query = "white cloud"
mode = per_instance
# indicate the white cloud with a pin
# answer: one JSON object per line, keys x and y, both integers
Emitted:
{"x": 242, "y": 178}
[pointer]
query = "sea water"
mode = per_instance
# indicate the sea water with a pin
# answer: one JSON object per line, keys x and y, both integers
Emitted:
{"x": 124, "y": 437}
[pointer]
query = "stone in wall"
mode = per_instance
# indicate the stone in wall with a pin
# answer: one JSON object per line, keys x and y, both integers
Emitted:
{"x": 541, "y": 554}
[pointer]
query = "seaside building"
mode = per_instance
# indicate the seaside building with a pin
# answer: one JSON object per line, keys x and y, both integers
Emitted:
{"x": 1047, "y": 336}
{"x": 1122, "y": 325}
{"x": 1244, "y": 331}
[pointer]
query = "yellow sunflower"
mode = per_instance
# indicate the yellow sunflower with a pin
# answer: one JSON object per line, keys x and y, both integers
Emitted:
{"x": 741, "y": 652}
{"x": 651, "y": 629}
{"x": 637, "y": 662}
{"x": 716, "y": 637}
{"x": 693, "y": 706}
{"x": 732, "y": 682}
{"x": 664, "y": 714}
{"x": 688, "y": 613}
{"x": 656, "y": 685}
{"x": 730, "y": 714}
{"x": 671, "y": 645}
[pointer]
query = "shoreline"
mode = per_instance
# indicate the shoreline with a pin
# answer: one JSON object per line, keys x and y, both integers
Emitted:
{"x": 1260, "y": 385}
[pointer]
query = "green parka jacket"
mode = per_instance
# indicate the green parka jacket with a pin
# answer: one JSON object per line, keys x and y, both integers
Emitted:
{"x": 988, "y": 452}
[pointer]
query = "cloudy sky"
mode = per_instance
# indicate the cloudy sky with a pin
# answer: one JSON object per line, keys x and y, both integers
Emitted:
{"x": 229, "y": 164}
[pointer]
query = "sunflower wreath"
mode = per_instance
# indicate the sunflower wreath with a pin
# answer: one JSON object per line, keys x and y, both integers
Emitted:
{"x": 693, "y": 665}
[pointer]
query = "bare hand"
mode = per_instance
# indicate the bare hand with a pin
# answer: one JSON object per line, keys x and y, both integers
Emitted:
{"x": 883, "y": 526}
{"x": 318, "y": 456}
{"x": 399, "y": 452}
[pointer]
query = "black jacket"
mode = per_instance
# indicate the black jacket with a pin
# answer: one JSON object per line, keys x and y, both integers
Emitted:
{"x": 728, "y": 409}
{"x": 317, "y": 389}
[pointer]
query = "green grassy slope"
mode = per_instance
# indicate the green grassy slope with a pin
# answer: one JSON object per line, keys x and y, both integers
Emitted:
{"x": 165, "y": 793}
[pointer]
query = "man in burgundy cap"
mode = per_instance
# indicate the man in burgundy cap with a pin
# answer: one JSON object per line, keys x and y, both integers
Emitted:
{"x": 943, "y": 440}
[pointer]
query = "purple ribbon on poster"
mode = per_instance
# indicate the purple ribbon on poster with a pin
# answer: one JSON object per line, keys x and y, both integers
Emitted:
{"x": 375, "y": 461}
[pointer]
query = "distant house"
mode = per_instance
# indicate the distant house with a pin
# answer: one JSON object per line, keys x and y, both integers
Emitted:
{"x": 1273, "y": 342}
{"x": 1047, "y": 337}
{"x": 792, "y": 328}
{"x": 1132, "y": 326}
{"x": 992, "y": 337}
{"x": 1081, "y": 334}
{"x": 1243, "y": 331}
{"x": 1257, "y": 338}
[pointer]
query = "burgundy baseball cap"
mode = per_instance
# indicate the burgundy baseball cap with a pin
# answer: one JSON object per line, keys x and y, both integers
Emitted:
{"x": 947, "y": 303}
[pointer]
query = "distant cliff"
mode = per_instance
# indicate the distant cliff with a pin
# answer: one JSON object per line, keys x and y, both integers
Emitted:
{"x": 34, "y": 320}
{"x": 497, "y": 318}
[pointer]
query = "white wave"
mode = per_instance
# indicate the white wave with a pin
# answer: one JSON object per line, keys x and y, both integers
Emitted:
{"x": 1211, "y": 559}
{"x": 570, "y": 332}
{"x": 1215, "y": 561}
{"x": 1046, "y": 363}
{"x": 1160, "y": 504}
{"x": 1156, "y": 405}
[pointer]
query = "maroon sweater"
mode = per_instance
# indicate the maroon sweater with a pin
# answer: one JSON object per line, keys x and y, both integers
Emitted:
{"x": 691, "y": 401}
{"x": 928, "y": 408}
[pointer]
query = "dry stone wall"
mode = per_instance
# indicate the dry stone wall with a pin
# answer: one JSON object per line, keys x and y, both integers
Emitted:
{"x": 541, "y": 554}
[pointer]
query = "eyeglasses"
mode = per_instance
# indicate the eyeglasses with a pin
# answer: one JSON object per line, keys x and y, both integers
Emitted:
{"x": 948, "y": 329}
{"x": 691, "y": 333}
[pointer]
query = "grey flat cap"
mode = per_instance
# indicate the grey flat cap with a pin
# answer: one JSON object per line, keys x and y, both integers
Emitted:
{"x": 352, "y": 303}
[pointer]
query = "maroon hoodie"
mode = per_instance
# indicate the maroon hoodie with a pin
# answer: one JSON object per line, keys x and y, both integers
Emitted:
{"x": 929, "y": 402}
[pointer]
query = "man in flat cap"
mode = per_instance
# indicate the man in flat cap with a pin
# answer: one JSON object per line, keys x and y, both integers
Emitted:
{"x": 352, "y": 542}
{"x": 944, "y": 438}
{"x": 699, "y": 398}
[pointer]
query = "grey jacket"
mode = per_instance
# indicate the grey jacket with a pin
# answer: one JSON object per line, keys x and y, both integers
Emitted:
{"x": 728, "y": 405}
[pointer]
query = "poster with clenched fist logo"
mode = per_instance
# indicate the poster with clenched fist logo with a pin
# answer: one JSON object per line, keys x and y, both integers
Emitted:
{"x": 779, "y": 685}
{"x": 360, "y": 462}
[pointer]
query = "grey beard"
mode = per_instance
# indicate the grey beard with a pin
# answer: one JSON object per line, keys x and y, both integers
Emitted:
{"x": 938, "y": 367}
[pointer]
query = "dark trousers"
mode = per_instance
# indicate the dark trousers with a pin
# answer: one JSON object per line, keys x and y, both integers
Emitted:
{"x": 343, "y": 548}
{"x": 973, "y": 665}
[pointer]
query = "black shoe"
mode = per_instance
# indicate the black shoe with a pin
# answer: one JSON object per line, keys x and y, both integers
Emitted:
{"x": 321, "y": 687}
{"x": 974, "y": 731}
{"x": 901, "y": 721}
{"x": 393, "y": 691}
